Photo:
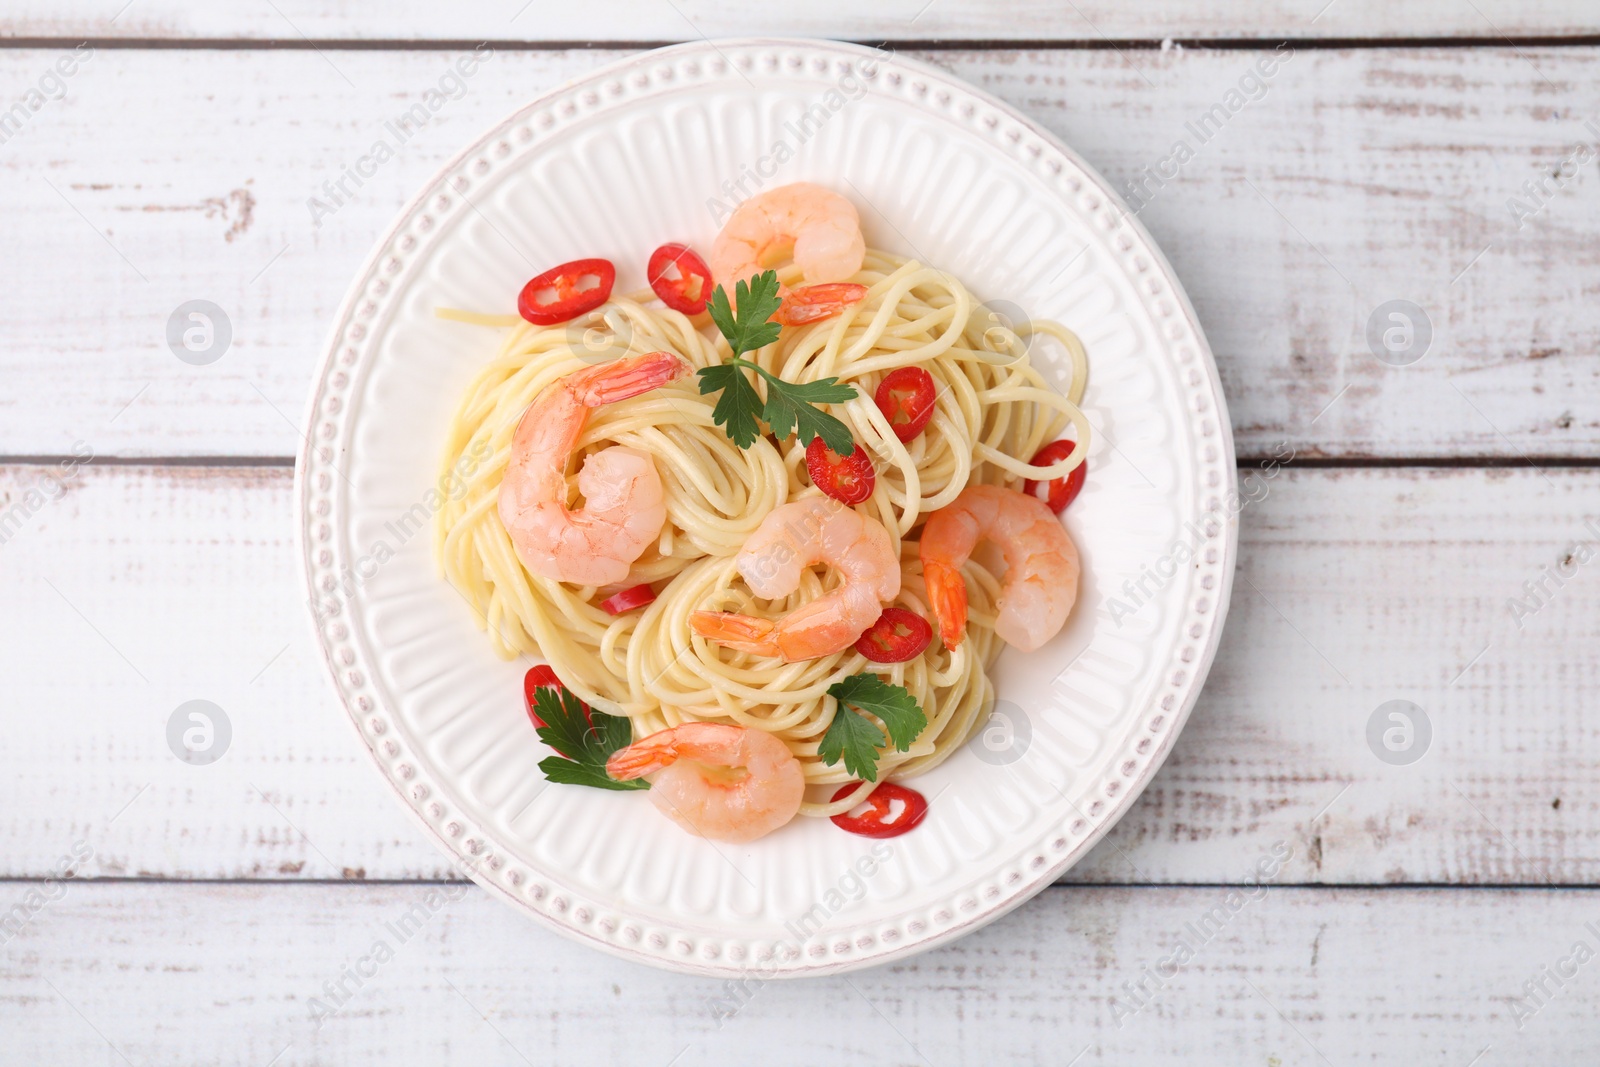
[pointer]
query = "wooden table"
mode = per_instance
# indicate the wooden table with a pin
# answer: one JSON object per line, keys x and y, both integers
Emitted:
{"x": 1429, "y": 911}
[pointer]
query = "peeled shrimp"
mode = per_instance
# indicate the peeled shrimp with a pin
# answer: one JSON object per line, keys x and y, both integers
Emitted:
{"x": 624, "y": 504}
{"x": 728, "y": 783}
{"x": 791, "y": 538}
{"x": 821, "y": 228}
{"x": 1041, "y": 579}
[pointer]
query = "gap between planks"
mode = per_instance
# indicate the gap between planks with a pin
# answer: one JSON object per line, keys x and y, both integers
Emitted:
{"x": 1536, "y": 462}
{"x": 1080, "y": 887}
{"x": 934, "y": 44}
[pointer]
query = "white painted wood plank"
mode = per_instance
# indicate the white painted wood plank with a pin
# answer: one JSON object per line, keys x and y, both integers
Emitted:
{"x": 228, "y": 974}
{"x": 640, "y": 20}
{"x": 1359, "y": 177}
{"x": 144, "y": 588}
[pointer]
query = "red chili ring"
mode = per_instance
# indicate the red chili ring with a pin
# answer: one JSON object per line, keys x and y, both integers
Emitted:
{"x": 691, "y": 289}
{"x": 1064, "y": 490}
{"x": 848, "y": 479}
{"x": 570, "y": 301}
{"x": 880, "y": 819}
{"x": 906, "y": 396}
{"x": 537, "y": 678}
{"x": 898, "y": 635}
{"x": 637, "y": 596}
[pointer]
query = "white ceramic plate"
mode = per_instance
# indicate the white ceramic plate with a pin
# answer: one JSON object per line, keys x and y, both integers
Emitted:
{"x": 613, "y": 165}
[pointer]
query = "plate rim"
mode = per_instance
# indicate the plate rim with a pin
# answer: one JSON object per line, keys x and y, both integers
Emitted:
{"x": 1037, "y": 880}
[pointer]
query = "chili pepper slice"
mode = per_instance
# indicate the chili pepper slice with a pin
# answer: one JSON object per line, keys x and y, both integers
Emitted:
{"x": 897, "y": 636}
{"x": 882, "y": 818}
{"x": 556, "y": 296}
{"x": 848, "y": 479}
{"x": 538, "y": 678}
{"x": 1064, "y": 490}
{"x": 636, "y": 597}
{"x": 680, "y": 278}
{"x": 906, "y": 397}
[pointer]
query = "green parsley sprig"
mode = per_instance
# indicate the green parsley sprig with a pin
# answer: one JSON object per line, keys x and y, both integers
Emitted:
{"x": 585, "y": 739}
{"x": 856, "y": 738}
{"x": 790, "y": 408}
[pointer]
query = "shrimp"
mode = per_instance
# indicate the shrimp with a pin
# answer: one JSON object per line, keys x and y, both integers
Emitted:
{"x": 727, "y": 783}
{"x": 625, "y": 506}
{"x": 819, "y": 227}
{"x": 791, "y": 538}
{"x": 1041, "y": 579}
{"x": 811, "y": 303}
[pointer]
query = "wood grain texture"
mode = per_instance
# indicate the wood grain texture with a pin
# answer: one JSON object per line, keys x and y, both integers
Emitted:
{"x": 148, "y": 587}
{"x": 1358, "y": 177}
{"x": 228, "y": 975}
{"x": 1091, "y": 21}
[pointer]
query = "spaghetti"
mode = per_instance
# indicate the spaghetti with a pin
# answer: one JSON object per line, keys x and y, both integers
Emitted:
{"x": 993, "y": 406}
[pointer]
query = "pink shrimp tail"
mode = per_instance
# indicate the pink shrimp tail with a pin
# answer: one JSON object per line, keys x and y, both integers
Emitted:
{"x": 740, "y": 632}
{"x": 623, "y": 378}
{"x": 643, "y": 757}
{"x": 812, "y": 303}
{"x": 947, "y": 595}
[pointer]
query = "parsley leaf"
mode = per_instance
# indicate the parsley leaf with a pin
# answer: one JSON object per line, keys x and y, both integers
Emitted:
{"x": 739, "y": 406}
{"x": 855, "y": 738}
{"x": 585, "y": 739}
{"x": 789, "y": 410}
{"x": 753, "y": 327}
{"x": 568, "y": 772}
{"x": 893, "y": 704}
